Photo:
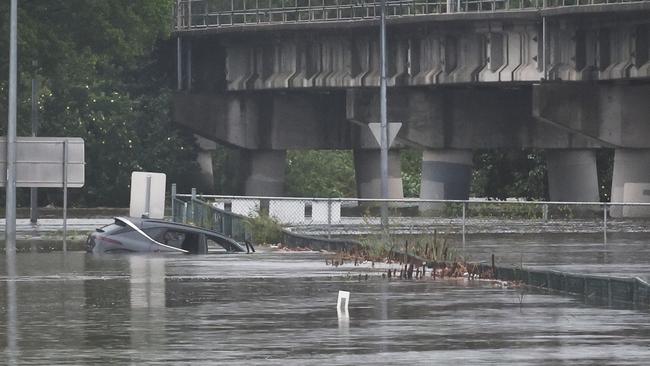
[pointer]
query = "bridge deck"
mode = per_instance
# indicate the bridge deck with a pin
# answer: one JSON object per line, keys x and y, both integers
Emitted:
{"x": 197, "y": 15}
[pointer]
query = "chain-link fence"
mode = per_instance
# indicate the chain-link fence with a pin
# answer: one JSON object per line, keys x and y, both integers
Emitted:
{"x": 351, "y": 216}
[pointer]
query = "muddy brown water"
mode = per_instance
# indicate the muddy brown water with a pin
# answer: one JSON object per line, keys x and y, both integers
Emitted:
{"x": 278, "y": 308}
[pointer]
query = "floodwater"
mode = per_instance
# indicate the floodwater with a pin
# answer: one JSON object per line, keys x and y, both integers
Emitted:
{"x": 280, "y": 309}
{"x": 624, "y": 254}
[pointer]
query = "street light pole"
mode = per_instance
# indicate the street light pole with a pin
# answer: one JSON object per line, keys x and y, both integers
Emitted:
{"x": 10, "y": 204}
{"x": 33, "y": 192}
{"x": 383, "y": 121}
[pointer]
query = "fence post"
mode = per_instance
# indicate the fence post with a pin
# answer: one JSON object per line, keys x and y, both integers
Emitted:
{"x": 464, "y": 213}
{"x": 329, "y": 218}
{"x": 184, "y": 212}
{"x": 545, "y": 212}
{"x": 173, "y": 203}
{"x": 192, "y": 203}
{"x": 605, "y": 224}
{"x": 189, "y": 14}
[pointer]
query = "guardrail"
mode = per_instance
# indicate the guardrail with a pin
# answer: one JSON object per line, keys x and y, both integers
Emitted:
{"x": 197, "y": 14}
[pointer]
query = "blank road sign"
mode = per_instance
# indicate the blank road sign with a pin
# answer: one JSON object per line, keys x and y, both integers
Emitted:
{"x": 39, "y": 162}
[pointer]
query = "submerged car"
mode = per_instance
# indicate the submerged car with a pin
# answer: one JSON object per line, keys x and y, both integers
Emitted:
{"x": 151, "y": 235}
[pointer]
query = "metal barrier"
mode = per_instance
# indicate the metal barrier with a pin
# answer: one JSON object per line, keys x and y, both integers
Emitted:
{"x": 197, "y": 14}
{"x": 601, "y": 290}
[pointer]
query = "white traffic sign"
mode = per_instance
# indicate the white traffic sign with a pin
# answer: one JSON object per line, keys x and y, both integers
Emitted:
{"x": 393, "y": 129}
{"x": 147, "y": 195}
{"x": 39, "y": 161}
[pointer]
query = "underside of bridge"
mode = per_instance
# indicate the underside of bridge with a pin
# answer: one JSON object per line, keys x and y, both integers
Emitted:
{"x": 569, "y": 82}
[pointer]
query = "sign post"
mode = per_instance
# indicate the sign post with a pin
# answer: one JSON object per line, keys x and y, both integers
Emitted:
{"x": 10, "y": 148}
{"x": 384, "y": 125}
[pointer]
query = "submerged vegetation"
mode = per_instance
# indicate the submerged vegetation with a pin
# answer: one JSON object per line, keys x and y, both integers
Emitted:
{"x": 264, "y": 229}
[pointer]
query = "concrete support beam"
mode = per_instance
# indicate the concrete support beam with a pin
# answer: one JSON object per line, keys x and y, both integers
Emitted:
{"x": 631, "y": 181}
{"x": 272, "y": 121}
{"x": 367, "y": 172}
{"x": 614, "y": 115}
{"x": 461, "y": 118}
{"x": 204, "y": 158}
{"x": 446, "y": 174}
{"x": 265, "y": 172}
{"x": 572, "y": 175}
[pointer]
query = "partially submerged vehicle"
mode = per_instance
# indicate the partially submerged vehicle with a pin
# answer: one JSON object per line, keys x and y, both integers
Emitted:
{"x": 151, "y": 235}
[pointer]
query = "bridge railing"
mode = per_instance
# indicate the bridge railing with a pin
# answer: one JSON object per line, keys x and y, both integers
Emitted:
{"x": 197, "y": 14}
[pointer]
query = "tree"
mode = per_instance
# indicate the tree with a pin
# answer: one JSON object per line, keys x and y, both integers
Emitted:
{"x": 502, "y": 174}
{"x": 105, "y": 67}
{"x": 315, "y": 173}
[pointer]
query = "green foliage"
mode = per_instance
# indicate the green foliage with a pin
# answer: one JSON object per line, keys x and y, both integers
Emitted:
{"x": 411, "y": 172}
{"x": 105, "y": 77}
{"x": 431, "y": 247}
{"x": 320, "y": 174}
{"x": 226, "y": 164}
{"x": 502, "y": 174}
{"x": 264, "y": 228}
{"x": 605, "y": 165}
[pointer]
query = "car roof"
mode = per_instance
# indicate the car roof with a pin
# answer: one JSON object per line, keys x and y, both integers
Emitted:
{"x": 148, "y": 223}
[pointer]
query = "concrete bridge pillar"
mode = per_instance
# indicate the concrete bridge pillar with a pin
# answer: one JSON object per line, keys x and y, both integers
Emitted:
{"x": 446, "y": 174}
{"x": 631, "y": 181}
{"x": 264, "y": 172}
{"x": 367, "y": 170}
{"x": 572, "y": 175}
{"x": 204, "y": 159}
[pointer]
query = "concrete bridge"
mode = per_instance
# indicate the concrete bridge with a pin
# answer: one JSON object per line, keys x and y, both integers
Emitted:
{"x": 570, "y": 76}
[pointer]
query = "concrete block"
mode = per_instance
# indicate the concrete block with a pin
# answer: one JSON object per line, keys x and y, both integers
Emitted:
{"x": 245, "y": 207}
{"x": 572, "y": 175}
{"x": 366, "y": 166}
{"x": 319, "y": 212}
{"x": 630, "y": 166}
{"x": 528, "y": 59}
{"x": 464, "y": 58}
{"x": 562, "y": 52}
{"x": 615, "y": 51}
{"x": 638, "y": 193}
{"x": 284, "y": 64}
{"x": 287, "y": 211}
{"x": 426, "y": 63}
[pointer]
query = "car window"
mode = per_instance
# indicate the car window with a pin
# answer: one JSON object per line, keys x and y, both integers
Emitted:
{"x": 214, "y": 246}
{"x": 173, "y": 238}
{"x": 156, "y": 233}
{"x": 114, "y": 229}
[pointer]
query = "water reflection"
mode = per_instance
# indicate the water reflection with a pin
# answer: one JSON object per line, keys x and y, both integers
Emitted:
{"x": 147, "y": 294}
{"x": 12, "y": 318}
{"x": 279, "y": 309}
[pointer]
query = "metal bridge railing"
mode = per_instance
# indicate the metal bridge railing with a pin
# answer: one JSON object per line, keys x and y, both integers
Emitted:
{"x": 197, "y": 14}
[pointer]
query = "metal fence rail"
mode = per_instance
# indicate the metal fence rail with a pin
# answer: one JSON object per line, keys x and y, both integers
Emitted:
{"x": 197, "y": 14}
{"x": 328, "y": 217}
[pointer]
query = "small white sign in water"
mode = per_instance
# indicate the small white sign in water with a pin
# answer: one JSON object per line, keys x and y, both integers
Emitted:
{"x": 342, "y": 304}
